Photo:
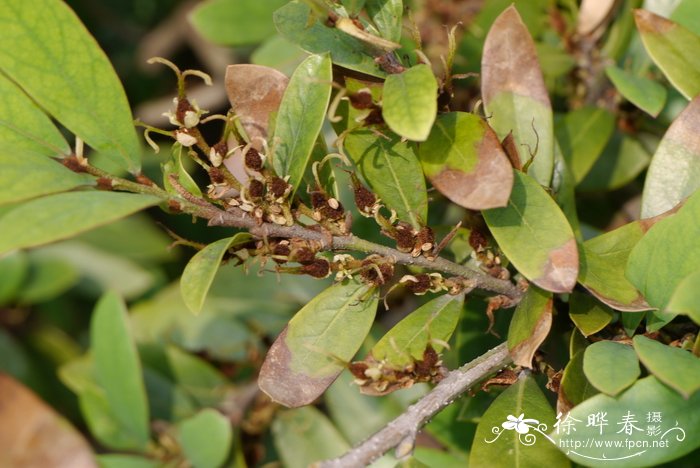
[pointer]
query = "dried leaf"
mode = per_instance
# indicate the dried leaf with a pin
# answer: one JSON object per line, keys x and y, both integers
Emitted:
{"x": 530, "y": 325}
{"x": 32, "y": 435}
{"x": 465, "y": 161}
{"x": 514, "y": 93}
{"x": 255, "y": 92}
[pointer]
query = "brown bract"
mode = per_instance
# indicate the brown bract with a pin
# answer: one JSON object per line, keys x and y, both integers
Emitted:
{"x": 487, "y": 186}
{"x": 652, "y": 23}
{"x": 254, "y": 92}
{"x": 285, "y": 386}
{"x": 561, "y": 270}
{"x": 32, "y": 435}
{"x": 509, "y": 62}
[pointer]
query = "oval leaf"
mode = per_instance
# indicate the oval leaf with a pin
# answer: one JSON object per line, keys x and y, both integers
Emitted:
{"x": 657, "y": 276}
{"x": 392, "y": 170}
{"x": 535, "y": 235}
{"x": 465, "y": 161}
{"x": 610, "y": 366}
{"x": 46, "y": 177}
{"x": 514, "y": 93}
{"x": 298, "y": 24}
{"x": 602, "y": 268}
{"x": 317, "y": 343}
{"x": 255, "y": 93}
{"x": 304, "y": 436}
{"x": 32, "y": 434}
{"x": 582, "y": 135}
{"x": 685, "y": 299}
{"x": 673, "y": 48}
{"x": 199, "y": 273}
{"x": 71, "y": 78}
{"x": 235, "y": 22}
{"x": 60, "y": 216}
{"x": 430, "y": 324}
{"x": 24, "y": 127}
{"x": 617, "y": 444}
{"x": 497, "y": 447}
{"x": 648, "y": 95}
{"x": 530, "y": 325}
{"x": 575, "y": 387}
{"x": 674, "y": 172}
{"x": 677, "y": 368}
{"x": 206, "y": 438}
{"x": 301, "y": 116}
{"x": 589, "y": 315}
{"x": 409, "y": 102}
{"x": 118, "y": 368}
{"x": 386, "y": 16}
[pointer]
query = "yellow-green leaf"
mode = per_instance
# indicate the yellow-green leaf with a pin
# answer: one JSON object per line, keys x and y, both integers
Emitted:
{"x": 409, "y": 102}
{"x": 677, "y": 368}
{"x": 530, "y": 325}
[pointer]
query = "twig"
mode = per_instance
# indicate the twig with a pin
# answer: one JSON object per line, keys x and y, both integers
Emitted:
{"x": 402, "y": 431}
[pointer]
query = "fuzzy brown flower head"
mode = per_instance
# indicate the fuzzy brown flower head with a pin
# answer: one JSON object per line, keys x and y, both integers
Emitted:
{"x": 425, "y": 240}
{"x": 216, "y": 176}
{"x": 327, "y": 208}
{"x": 378, "y": 274}
{"x": 364, "y": 198}
{"x": 256, "y": 189}
{"x": 183, "y": 106}
{"x": 404, "y": 236}
{"x": 253, "y": 160}
{"x": 279, "y": 187}
{"x": 303, "y": 255}
{"x": 319, "y": 268}
{"x": 358, "y": 369}
{"x": 361, "y": 99}
{"x": 477, "y": 240}
{"x": 426, "y": 367}
{"x": 374, "y": 117}
{"x": 281, "y": 250}
{"x": 421, "y": 285}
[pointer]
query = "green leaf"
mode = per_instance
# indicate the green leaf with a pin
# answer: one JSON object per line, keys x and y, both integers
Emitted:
{"x": 582, "y": 135}
{"x": 317, "y": 343}
{"x": 70, "y": 77}
{"x": 677, "y": 434}
{"x": 621, "y": 162}
{"x": 47, "y": 176}
{"x": 535, "y": 235}
{"x": 589, "y": 315}
{"x": 47, "y": 279}
{"x": 644, "y": 93}
{"x": 674, "y": 172}
{"x": 63, "y": 215}
{"x": 610, "y": 366}
{"x": 673, "y": 49}
{"x": 199, "y": 272}
{"x": 530, "y": 325}
{"x": 206, "y": 438}
{"x": 126, "y": 461}
{"x": 631, "y": 320}
{"x": 14, "y": 268}
{"x": 602, "y": 267}
{"x": 514, "y": 93}
{"x": 684, "y": 300}
{"x": 677, "y": 368}
{"x": 410, "y": 102}
{"x": 687, "y": 13}
{"x": 301, "y": 116}
{"x": 575, "y": 387}
{"x": 235, "y": 22}
{"x": 279, "y": 53}
{"x": 298, "y": 24}
{"x": 118, "y": 368}
{"x": 175, "y": 167}
{"x": 386, "y": 16}
{"x": 430, "y": 324}
{"x": 496, "y": 447}
{"x": 199, "y": 379}
{"x": 392, "y": 170}
{"x": 464, "y": 160}
{"x": 303, "y": 436}
{"x": 657, "y": 276}
{"x": 24, "y": 128}
{"x": 166, "y": 400}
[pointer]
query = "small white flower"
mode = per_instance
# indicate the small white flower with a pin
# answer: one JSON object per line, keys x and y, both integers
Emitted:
{"x": 185, "y": 139}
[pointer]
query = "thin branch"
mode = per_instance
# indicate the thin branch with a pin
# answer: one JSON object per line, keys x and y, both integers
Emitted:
{"x": 402, "y": 431}
{"x": 235, "y": 217}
